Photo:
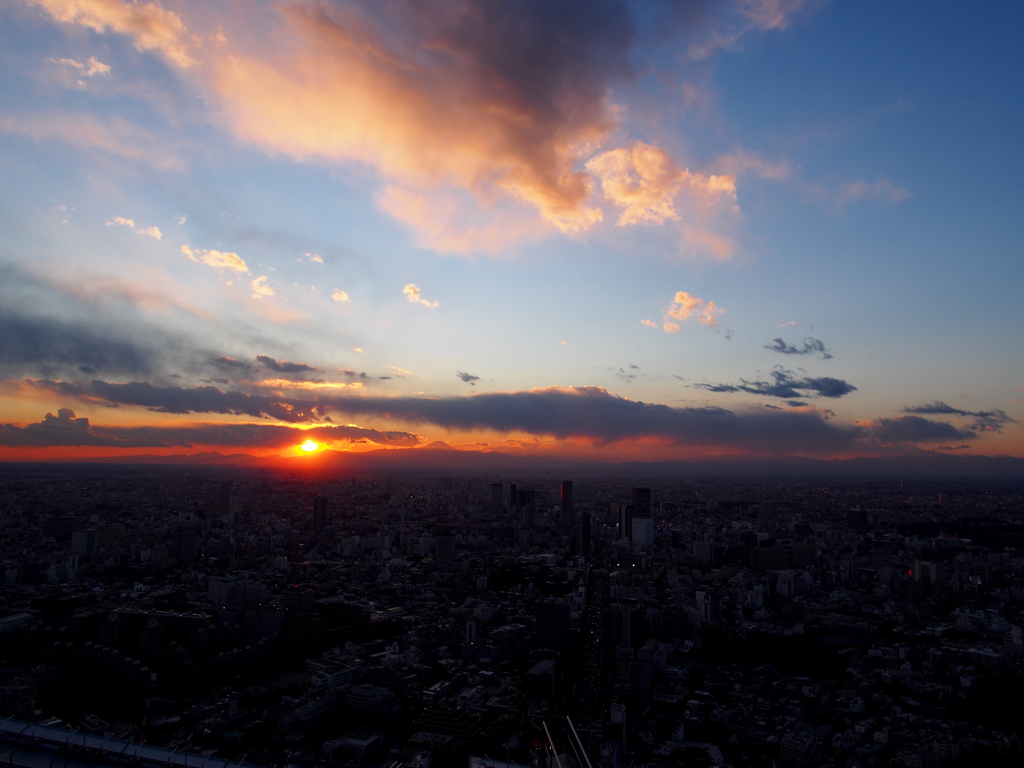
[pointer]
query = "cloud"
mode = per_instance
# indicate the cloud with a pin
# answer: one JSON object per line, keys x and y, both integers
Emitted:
{"x": 487, "y": 126}
{"x": 400, "y": 371}
{"x": 649, "y": 323}
{"x": 284, "y": 366}
{"x": 412, "y": 295}
{"x": 644, "y": 180}
{"x": 590, "y": 413}
{"x": 790, "y": 324}
{"x": 735, "y": 21}
{"x": 54, "y": 346}
{"x": 65, "y": 430}
{"x": 786, "y": 385}
{"x": 576, "y": 412}
{"x": 91, "y": 68}
{"x": 340, "y": 295}
{"x": 62, "y": 429}
{"x": 153, "y": 232}
{"x": 855, "y": 191}
{"x": 501, "y": 102}
{"x": 217, "y": 259}
{"x": 686, "y": 307}
{"x": 467, "y": 377}
{"x": 260, "y": 289}
{"x": 743, "y": 162}
{"x": 229, "y": 363}
{"x": 315, "y": 257}
{"x": 915, "y": 429}
{"x": 984, "y": 421}
{"x": 150, "y": 26}
{"x": 809, "y": 346}
{"x": 115, "y": 136}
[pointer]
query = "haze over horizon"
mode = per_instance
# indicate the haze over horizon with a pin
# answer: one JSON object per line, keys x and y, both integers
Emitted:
{"x": 601, "y": 230}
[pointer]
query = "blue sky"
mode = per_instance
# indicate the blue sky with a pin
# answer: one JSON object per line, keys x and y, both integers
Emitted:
{"x": 802, "y": 218}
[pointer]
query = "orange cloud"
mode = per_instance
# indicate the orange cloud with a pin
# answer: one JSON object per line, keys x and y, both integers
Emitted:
{"x": 148, "y": 24}
{"x": 340, "y": 295}
{"x": 649, "y": 323}
{"x": 427, "y": 104}
{"x": 686, "y": 307}
{"x": 644, "y": 180}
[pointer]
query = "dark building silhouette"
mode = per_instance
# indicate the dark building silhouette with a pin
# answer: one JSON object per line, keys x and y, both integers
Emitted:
{"x": 319, "y": 513}
{"x": 565, "y": 500}
{"x": 642, "y": 505}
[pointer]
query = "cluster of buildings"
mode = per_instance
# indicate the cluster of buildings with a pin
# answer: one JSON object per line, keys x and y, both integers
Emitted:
{"x": 284, "y": 619}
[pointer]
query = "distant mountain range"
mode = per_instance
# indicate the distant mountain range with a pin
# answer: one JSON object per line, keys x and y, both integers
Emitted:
{"x": 441, "y": 458}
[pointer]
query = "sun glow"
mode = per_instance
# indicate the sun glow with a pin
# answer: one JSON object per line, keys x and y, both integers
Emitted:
{"x": 309, "y": 446}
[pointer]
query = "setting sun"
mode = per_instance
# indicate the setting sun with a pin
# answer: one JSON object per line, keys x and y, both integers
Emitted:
{"x": 309, "y": 446}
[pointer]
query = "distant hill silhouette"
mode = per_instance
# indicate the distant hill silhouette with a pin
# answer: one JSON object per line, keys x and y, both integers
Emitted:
{"x": 440, "y": 458}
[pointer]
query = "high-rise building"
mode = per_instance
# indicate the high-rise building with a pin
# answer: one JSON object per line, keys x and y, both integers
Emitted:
{"x": 642, "y": 506}
{"x": 83, "y": 542}
{"x": 553, "y": 623}
{"x": 642, "y": 531}
{"x": 497, "y": 491}
{"x": 623, "y": 514}
{"x": 184, "y": 546}
{"x": 586, "y": 536}
{"x": 319, "y": 513}
{"x": 565, "y": 501}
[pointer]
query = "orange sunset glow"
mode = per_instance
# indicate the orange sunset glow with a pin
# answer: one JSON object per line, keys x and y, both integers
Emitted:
{"x": 592, "y": 231}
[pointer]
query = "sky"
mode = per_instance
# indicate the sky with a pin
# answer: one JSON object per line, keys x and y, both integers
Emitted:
{"x": 604, "y": 230}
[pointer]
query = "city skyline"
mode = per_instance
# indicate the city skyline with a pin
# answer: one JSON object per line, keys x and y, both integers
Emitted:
{"x": 600, "y": 231}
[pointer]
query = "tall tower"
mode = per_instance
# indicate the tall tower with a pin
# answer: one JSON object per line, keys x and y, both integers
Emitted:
{"x": 497, "y": 489}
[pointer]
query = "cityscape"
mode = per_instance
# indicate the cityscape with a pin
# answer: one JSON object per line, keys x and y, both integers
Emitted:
{"x": 273, "y": 617}
{"x": 511, "y": 384}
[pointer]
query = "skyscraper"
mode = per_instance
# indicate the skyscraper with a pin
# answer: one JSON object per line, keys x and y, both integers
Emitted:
{"x": 642, "y": 506}
{"x": 565, "y": 500}
{"x": 319, "y": 513}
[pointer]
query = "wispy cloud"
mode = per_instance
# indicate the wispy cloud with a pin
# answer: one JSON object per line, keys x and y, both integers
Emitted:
{"x": 734, "y": 21}
{"x": 340, "y": 296}
{"x": 984, "y": 421}
{"x": 412, "y": 295}
{"x": 284, "y": 366}
{"x": 149, "y": 25}
{"x": 89, "y": 68}
{"x": 467, "y": 377}
{"x": 809, "y": 346}
{"x": 153, "y": 232}
{"x": 786, "y": 384}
